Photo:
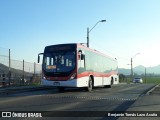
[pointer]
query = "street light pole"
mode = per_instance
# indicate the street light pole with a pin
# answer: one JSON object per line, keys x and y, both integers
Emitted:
{"x": 131, "y": 70}
{"x": 87, "y": 37}
{"x": 145, "y": 75}
{"x": 132, "y": 65}
{"x": 88, "y": 31}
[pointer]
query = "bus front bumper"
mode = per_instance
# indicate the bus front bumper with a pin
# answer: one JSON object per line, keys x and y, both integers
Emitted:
{"x": 68, "y": 83}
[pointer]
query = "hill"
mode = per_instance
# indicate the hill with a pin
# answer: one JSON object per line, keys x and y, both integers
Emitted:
{"x": 15, "y": 73}
{"x": 5, "y": 70}
{"x": 141, "y": 70}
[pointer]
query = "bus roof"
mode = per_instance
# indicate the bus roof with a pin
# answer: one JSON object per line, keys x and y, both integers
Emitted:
{"x": 82, "y": 45}
{"x": 95, "y": 51}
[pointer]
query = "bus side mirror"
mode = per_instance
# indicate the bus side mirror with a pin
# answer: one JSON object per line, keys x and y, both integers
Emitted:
{"x": 39, "y": 56}
{"x": 82, "y": 56}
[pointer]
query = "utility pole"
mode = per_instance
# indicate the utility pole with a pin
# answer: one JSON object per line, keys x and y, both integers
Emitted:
{"x": 132, "y": 65}
{"x": 9, "y": 75}
{"x": 87, "y": 37}
{"x": 23, "y": 74}
{"x": 145, "y": 76}
{"x": 131, "y": 71}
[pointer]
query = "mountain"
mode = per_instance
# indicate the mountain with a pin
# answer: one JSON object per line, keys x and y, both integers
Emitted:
{"x": 155, "y": 69}
{"x": 124, "y": 71}
{"x": 5, "y": 70}
{"x": 141, "y": 70}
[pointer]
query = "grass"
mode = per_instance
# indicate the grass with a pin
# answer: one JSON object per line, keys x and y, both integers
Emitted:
{"x": 152, "y": 80}
{"x": 149, "y": 79}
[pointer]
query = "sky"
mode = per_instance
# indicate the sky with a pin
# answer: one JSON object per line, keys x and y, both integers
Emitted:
{"x": 131, "y": 27}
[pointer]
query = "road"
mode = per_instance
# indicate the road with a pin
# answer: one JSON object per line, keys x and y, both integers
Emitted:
{"x": 118, "y": 98}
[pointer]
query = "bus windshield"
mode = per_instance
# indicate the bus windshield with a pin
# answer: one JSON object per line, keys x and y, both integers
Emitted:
{"x": 59, "y": 61}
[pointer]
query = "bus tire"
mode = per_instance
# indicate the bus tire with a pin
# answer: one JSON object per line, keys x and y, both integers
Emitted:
{"x": 90, "y": 85}
{"x": 112, "y": 81}
{"x": 107, "y": 86}
{"x": 110, "y": 86}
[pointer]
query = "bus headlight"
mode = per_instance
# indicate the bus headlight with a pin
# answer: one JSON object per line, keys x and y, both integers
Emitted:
{"x": 43, "y": 77}
{"x": 73, "y": 76}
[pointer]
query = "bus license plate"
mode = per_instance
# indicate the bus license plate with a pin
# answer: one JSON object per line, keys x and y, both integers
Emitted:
{"x": 56, "y": 84}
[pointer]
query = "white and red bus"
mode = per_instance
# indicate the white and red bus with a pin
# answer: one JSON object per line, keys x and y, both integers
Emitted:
{"x": 75, "y": 65}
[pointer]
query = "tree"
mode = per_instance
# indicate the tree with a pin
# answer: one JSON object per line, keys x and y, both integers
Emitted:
{"x": 121, "y": 77}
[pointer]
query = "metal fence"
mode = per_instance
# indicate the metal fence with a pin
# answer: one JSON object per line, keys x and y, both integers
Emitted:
{"x": 16, "y": 72}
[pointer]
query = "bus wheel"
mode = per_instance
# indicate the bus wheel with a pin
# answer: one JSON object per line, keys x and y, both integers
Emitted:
{"x": 112, "y": 81}
{"x": 90, "y": 85}
{"x": 107, "y": 86}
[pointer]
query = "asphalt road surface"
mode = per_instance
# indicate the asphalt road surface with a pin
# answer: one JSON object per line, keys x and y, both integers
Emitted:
{"x": 77, "y": 103}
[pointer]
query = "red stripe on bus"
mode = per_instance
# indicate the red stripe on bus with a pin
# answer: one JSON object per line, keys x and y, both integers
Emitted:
{"x": 83, "y": 74}
{"x": 96, "y": 74}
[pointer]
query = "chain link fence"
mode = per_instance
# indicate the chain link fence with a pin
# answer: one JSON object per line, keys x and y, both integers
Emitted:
{"x": 16, "y": 72}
